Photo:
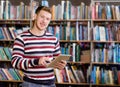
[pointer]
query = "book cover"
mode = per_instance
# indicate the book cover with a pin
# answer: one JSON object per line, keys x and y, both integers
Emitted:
{"x": 2, "y": 54}
{"x": 74, "y": 71}
{"x": 3, "y": 76}
{"x": 67, "y": 73}
{"x": 9, "y": 76}
{"x": 1, "y": 34}
{"x": 7, "y": 52}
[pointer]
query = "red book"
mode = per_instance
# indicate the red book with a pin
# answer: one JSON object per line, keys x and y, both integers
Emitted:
{"x": 118, "y": 77}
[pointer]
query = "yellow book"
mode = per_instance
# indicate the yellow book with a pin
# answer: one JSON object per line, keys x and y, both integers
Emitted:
{"x": 98, "y": 75}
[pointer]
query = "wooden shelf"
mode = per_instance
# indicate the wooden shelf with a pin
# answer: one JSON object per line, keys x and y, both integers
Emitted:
{"x": 105, "y": 85}
{"x": 105, "y": 41}
{"x": 106, "y": 63}
{"x": 105, "y": 20}
{"x": 75, "y": 41}
{"x": 65, "y": 83}
{"x": 14, "y": 81}
{"x": 5, "y": 60}
{"x": 15, "y": 21}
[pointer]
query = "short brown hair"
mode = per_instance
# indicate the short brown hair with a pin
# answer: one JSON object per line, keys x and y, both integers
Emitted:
{"x": 43, "y": 8}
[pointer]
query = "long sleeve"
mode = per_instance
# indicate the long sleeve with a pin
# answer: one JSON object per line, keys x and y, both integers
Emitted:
{"x": 18, "y": 60}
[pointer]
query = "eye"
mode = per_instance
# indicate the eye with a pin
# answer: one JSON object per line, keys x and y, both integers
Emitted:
{"x": 41, "y": 16}
{"x": 48, "y": 19}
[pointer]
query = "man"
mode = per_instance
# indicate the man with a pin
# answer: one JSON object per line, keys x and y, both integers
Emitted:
{"x": 34, "y": 48}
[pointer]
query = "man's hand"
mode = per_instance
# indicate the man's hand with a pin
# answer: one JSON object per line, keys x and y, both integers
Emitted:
{"x": 60, "y": 65}
{"x": 43, "y": 61}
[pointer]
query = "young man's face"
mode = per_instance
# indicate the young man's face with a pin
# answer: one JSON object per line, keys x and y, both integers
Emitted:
{"x": 42, "y": 19}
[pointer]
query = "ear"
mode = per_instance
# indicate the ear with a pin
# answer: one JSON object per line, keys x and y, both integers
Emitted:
{"x": 34, "y": 16}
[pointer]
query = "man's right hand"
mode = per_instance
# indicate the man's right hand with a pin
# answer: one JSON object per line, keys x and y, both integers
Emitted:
{"x": 43, "y": 61}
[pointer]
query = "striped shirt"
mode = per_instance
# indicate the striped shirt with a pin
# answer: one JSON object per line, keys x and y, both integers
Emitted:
{"x": 27, "y": 50}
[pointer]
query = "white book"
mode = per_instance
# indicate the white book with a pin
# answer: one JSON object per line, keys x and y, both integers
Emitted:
{"x": 62, "y": 9}
{"x": 58, "y": 77}
{"x": 68, "y": 31}
{"x": 2, "y": 8}
{"x": 102, "y": 33}
{"x": 74, "y": 44}
{"x": 77, "y": 31}
{"x": 67, "y": 73}
{"x": 117, "y": 12}
{"x": 89, "y": 31}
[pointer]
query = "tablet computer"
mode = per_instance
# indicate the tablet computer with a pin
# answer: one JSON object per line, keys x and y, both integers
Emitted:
{"x": 58, "y": 59}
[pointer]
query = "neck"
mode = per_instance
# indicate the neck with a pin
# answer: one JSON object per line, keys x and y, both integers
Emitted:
{"x": 37, "y": 32}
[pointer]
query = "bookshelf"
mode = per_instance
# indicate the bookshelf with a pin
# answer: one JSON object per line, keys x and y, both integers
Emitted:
{"x": 10, "y": 23}
{"x": 76, "y": 34}
{"x": 105, "y": 60}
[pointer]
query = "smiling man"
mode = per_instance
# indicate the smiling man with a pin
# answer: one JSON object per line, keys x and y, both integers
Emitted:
{"x": 34, "y": 48}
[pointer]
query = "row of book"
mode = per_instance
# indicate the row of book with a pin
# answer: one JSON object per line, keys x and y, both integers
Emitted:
{"x": 10, "y": 33}
{"x": 10, "y": 11}
{"x": 106, "y": 53}
{"x": 106, "y": 11}
{"x": 71, "y": 74}
{"x": 10, "y": 74}
{"x": 102, "y": 75}
{"x": 21, "y": 11}
{"x": 105, "y": 32}
{"x": 69, "y": 32}
{"x": 64, "y": 10}
{"x": 110, "y": 32}
{"x": 5, "y": 53}
{"x": 7, "y": 33}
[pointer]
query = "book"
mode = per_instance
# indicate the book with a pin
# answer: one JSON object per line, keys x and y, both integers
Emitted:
{"x": 72, "y": 78}
{"x": 74, "y": 70}
{"x": 14, "y": 74}
{"x": 3, "y": 56}
{"x": 67, "y": 73}
{"x": 58, "y": 59}
{"x": 2, "y": 75}
{"x": 58, "y": 75}
{"x": 1, "y": 33}
{"x": 9, "y": 76}
{"x": 8, "y": 53}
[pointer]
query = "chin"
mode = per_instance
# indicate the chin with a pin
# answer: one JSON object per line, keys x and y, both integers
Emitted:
{"x": 42, "y": 28}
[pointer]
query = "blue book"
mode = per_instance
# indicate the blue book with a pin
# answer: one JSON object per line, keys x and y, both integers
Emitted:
{"x": 100, "y": 11}
{"x": 1, "y": 34}
{"x": 61, "y": 32}
{"x": 107, "y": 34}
{"x": 114, "y": 54}
{"x": 3, "y": 75}
{"x": 70, "y": 33}
{"x": 110, "y": 52}
{"x": 102, "y": 55}
{"x": 102, "y": 75}
{"x": 14, "y": 74}
{"x": 62, "y": 50}
{"x": 93, "y": 75}
{"x": 97, "y": 33}
{"x": 80, "y": 32}
{"x": 108, "y": 11}
{"x": 117, "y": 49}
{"x": 7, "y": 52}
{"x": 45, "y": 3}
{"x": 119, "y": 53}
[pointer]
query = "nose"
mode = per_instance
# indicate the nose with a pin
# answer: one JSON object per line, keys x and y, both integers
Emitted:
{"x": 44, "y": 20}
